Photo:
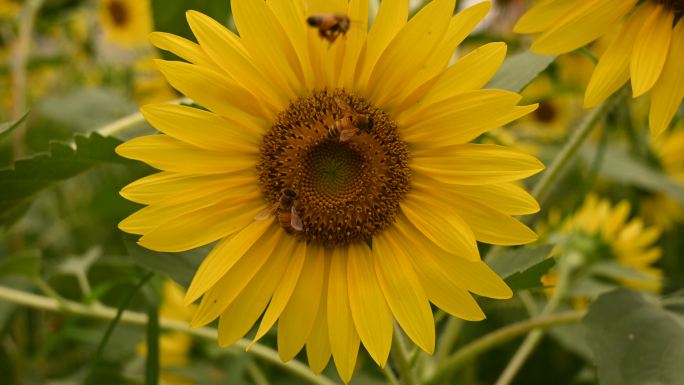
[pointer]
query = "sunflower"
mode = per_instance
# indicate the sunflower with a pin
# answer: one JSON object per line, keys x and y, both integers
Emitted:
{"x": 660, "y": 209}
{"x": 647, "y": 47}
{"x": 600, "y": 231}
{"x": 336, "y": 178}
{"x": 126, "y": 22}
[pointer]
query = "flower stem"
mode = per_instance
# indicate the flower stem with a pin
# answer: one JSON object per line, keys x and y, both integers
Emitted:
{"x": 129, "y": 121}
{"x": 543, "y": 187}
{"x": 402, "y": 357}
{"x": 135, "y": 318}
{"x": 498, "y": 337}
{"x": 533, "y": 338}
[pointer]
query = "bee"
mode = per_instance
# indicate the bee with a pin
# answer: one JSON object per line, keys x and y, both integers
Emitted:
{"x": 351, "y": 122}
{"x": 330, "y": 25}
{"x": 285, "y": 211}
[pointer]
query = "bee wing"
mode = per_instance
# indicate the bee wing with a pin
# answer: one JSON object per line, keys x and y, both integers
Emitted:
{"x": 296, "y": 221}
{"x": 265, "y": 213}
{"x": 347, "y": 134}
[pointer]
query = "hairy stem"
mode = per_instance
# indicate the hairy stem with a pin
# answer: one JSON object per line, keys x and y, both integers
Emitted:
{"x": 136, "y": 318}
{"x": 402, "y": 356}
{"x": 498, "y": 337}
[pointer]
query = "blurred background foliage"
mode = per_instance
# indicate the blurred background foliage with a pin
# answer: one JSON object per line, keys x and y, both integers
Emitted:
{"x": 69, "y": 68}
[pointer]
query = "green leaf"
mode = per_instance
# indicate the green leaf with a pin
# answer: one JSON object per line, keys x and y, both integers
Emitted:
{"x": 7, "y": 128}
{"x": 180, "y": 267}
{"x": 634, "y": 341}
{"x": 26, "y": 265}
{"x": 523, "y": 268}
{"x": 519, "y": 70}
{"x": 169, "y": 16}
{"x": 617, "y": 272}
{"x": 32, "y": 175}
{"x": 622, "y": 167}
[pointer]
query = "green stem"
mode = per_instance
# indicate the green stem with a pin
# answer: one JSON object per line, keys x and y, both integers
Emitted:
{"x": 532, "y": 339}
{"x": 135, "y": 318}
{"x": 447, "y": 339}
{"x": 568, "y": 152}
{"x": 256, "y": 374}
{"x": 112, "y": 324}
{"x": 498, "y": 337}
{"x": 402, "y": 358}
{"x": 122, "y": 125}
{"x": 389, "y": 375}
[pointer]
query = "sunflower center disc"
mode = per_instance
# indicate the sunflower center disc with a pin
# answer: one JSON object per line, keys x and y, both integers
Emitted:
{"x": 345, "y": 162}
{"x": 675, "y": 5}
{"x": 118, "y": 12}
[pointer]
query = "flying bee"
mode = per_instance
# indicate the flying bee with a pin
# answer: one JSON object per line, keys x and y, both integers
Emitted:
{"x": 285, "y": 211}
{"x": 351, "y": 122}
{"x": 330, "y": 25}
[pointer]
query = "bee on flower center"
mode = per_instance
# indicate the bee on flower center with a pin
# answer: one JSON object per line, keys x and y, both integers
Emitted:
{"x": 285, "y": 211}
{"x": 350, "y": 124}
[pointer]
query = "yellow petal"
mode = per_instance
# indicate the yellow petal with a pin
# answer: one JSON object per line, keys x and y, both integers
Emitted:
{"x": 441, "y": 290}
{"x": 544, "y": 14}
{"x": 650, "y": 50}
{"x": 488, "y": 224}
{"x": 283, "y": 292}
{"x": 391, "y": 18}
{"x": 469, "y": 73}
{"x": 224, "y": 256}
{"x": 170, "y": 188}
{"x": 476, "y": 164}
{"x": 225, "y": 49}
{"x": 166, "y": 153}
{"x": 460, "y": 118}
{"x": 441, "y": 224}
{"x": 268, "y": 45}
{"x": 213, "y": 196}
{"x": 369, "y": 309}
{"x": 245, "y": 310}
{"x": 203, "y": 226}
{"x": 344, "y": 341}
{"x": 582, "y": 25}
{"x": 318, "y": 342}
{"x": 459, "y": 27}
{"x": 203, "y": 129}
{"x": 355, "y": 41}
{"x": 183, "y": 48}
{"x": 506, "y": 197}
{"x": 668, "y": 92}
{"x": 416, "y": 40}
{"x": 474, "y": 276}
{"x": 612, "y": 70}
{"x": 225, "y": 96}
{"x": 403, "y": 291}
{"x": 299, "y": 315}
{"x": 292, "y": 17}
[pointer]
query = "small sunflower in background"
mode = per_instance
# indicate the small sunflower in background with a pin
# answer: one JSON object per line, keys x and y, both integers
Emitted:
{"x": 332, "y": 167}
{"x": 9, "y": 9}
{"x": 647, "y": 47}
{"x": 126, "y": 22}
{"x": 668, "y": 149}
{"x": 174, "y": 347}
{"x": 612, "y": 248}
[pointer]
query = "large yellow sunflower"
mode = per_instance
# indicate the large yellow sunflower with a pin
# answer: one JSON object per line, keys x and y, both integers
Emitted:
{"x": 647, "y": 47}
{"x": 126, "y": 22}
{"x": 359, "y": 150}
